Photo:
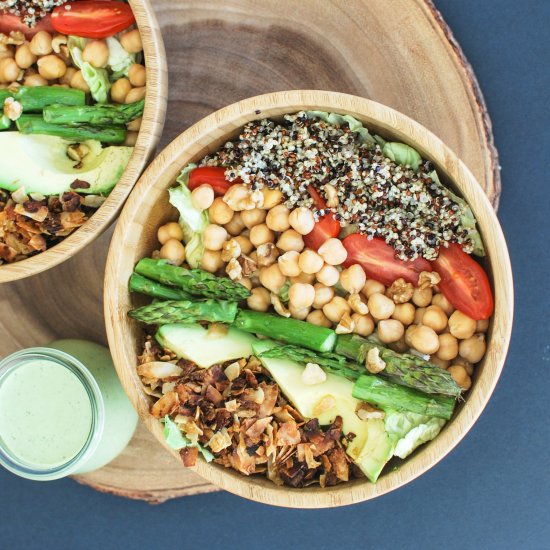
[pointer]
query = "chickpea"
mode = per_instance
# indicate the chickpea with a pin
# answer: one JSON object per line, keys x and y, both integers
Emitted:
{"x": 272, "y": 278}
{"x": 443, "y": 303}
{"x": 6, "y": 51}
{"x": 288, "y": 263}
{"x": 131, "y": 41}
{"x": 333, "y": 252}
{"x": 259, "y": 299}
{"x": 277, "y": 218}
{"x": 290, "y": 240}
{"x": 473, "y": 348}
{"x": 301, "y": 219}
{"x": 448, "y": 347}
{"x": 461, "y": 377}
{"x": 404, "y": 313}
{"x": 434, "y": 317}
{"x": 211, "y": 260}
{"x": 245, "y": 244}
{"x": 214, "y": 236}
{"x": 323, "y": 295}
{"x": 461, "y": 326}
{"x": 173, "y": 251}
{"x": 272, "y": 197}
{"x": 51, "y": 67}
{"x": 168, "y": 231}
{"x": 135, "y": 125}
{"x": 423, "y": 339}
{"x": 353, "y": 279}
{"x": 400, "y": 346}
{"x": 220, "y": 212}
{"x": 306, "y": 278}
{"x": 137, "y": 75}
{"x": 41, "y": 43}
{"x": 131, "y": 138}
{"x": 380, "y": 306}
{"x": 253, "y": 217}
{"x": 419, "y": 315}
{"x": 135, "y": 94}
{"x": 317, "y": 317}
{"x": 373, "y": 287}
{"x": 119, "y": 90}
{"x": 261, "y": 234}
{"x": 246, "y": 282}
{"x": 328, "y": 275}
{"x": 298, "y": 313}
{"x": 336, "y": 308}
{"x": 35, "y": 80}
{"x": 390, "y": 330}
{"x": 67, "y": 77}
{"x": 24, "y": 57}
{"x": 310, "y": 262}
{"x": 78, "y": 82}
{"x": 364, "y": 324}
{"x": 202, "y": 197}
{"x": 422, "y": 298}
{"x": 9, "y": 70}
{"x": 236, "y": 225}
{"x": 482, "y": 326}
{"x": 301, "y": 295}
{"x": 441, "y": 363}
{"x": 466, "y": 364}
{"x": 96, "y": 53}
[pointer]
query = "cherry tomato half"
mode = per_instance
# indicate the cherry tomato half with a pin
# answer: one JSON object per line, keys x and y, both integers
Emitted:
{"x": 92, "y": 19}
{"x": 326, "y": 228}
{"x": 464, "y": 282}
{"x": 379, "y": 262}
{"x": 9, "y": 23}
{"x": 213, "y": 176}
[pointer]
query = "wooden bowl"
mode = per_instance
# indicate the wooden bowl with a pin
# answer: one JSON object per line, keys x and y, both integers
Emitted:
{"x": 148, "y": 208}
{"x": 149, "y": 135}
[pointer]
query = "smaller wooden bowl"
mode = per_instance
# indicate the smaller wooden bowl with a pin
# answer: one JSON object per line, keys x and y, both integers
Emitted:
{"x": 148, "y": 208}
{"x": 149, "y": 135}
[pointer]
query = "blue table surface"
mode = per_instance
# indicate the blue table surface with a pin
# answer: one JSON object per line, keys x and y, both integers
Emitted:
{"x": 493, "y": 490}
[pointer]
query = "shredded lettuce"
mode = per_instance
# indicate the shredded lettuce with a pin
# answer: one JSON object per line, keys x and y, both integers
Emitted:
{"x": 176, "y": 440}
{"x": 120, "y": 60}
{"x": 192, "y": 221}
{"x": 403, "y": 154}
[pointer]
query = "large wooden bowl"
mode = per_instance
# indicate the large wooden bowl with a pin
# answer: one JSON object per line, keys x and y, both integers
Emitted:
{"x": 148, "y": 207}
{"x": 149, "y": 135}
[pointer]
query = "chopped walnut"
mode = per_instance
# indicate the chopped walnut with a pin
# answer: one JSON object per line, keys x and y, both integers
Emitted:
{"x": 374, "y": 363}
{"x": 280, "y": 308}
{"x": 400, "y": 291}
{"x": 230, "y": 249}
{"x": 267, "y": 254}
{"x": 58, "y": 41}
{"x": 241, "y": 197}
{"x": 366, "y": 412}
{"x": 77, "y": 151}
{"x": 248, "y": 265}
{"x": 346, "y": 325}
{"x": 12, "y": 109}
{"x": 428, "y": 279}
{"x": 15, "y": 38}
{"x": 313, "y": 374}
{"x": 234, "y": 269}
{"x": 332, "y": 195}
{"x": 357, "y": 305}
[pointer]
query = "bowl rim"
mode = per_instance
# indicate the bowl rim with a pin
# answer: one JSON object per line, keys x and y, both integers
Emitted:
{"x": 156, "y": 100}
{"x": 190, "y": 144}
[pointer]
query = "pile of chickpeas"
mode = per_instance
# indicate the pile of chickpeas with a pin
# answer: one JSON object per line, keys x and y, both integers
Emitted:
{"x": 319, "y": 290}
{"x": 45, "y": 61}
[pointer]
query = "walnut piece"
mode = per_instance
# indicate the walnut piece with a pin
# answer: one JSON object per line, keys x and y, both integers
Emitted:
{"x": 346, "y": 325}
{"x": 400, "y": 291}
{"x": 267, "y": 254}
{"x": 12, "y": 108}
{"x": 241, "y": 197}
{"x": 428, "y": 279}
{"x": 374, "y": 363}
{"x": 230, "y": 249}
{"x": 357, "y": 305}
{"x": 332, "y": 195}
{"x": 234, "y": 269}
{"x": 313, "y": 374}
{"x": 248, "y": 265}
{"x": 366, "y": 411}
{"x": 280, "y": 308}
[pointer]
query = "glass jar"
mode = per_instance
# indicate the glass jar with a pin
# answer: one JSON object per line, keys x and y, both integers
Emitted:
{"x": 62, "y": 410}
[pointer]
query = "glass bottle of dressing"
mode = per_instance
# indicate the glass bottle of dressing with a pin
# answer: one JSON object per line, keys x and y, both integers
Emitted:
{"x": 62, "y": 410}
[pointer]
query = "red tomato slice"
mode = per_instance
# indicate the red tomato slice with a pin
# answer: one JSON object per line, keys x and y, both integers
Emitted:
{"x": 213, "y": 176}
{"x": 379, "y": 262}
{"x": 92, "y": 19}
{"x": 326, "y": 228}
{"x": 9, "y": 22}
{"x": 464, "y": 282}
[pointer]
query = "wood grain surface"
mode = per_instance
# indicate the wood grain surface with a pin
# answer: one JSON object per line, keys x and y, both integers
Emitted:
{"x": 398, "y": 52}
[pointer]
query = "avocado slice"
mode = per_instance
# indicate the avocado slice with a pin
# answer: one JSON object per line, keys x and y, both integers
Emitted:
{"x": 40, "y": 164}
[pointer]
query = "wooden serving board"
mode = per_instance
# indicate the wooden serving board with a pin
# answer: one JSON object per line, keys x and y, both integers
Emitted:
{"x": 397, "y": 52}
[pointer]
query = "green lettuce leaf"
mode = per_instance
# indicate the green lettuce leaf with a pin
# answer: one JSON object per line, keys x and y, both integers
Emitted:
{"x": 403, "y": 154}
{"x": 120, "y": 60}
{"x": 192, "y": 221}
{"x": 176, "y": 440}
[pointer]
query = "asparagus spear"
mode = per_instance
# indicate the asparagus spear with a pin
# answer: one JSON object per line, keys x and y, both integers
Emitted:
{"x": 402, "y": 368}
{"x": 34, "y": 124}
{"x": 286, "y": 330}
{"x": 95, "y": 115}
{"x": 3, "y": 95}
{"x": 387, "y": 395}
{"x": 35, "y": 98}
{"x": 193, "y": 281}
{"x": 5, "y": 123}
{"x": 185, "y": 311}
{"x": 143, "y": 285}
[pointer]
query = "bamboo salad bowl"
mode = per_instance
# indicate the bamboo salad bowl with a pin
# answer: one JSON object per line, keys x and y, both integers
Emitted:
{"x": 149, "y": 135}
{"x": 148, "y": 208}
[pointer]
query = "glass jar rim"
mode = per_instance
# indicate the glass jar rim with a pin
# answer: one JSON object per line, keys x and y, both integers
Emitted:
{"x": 17, "y": 360}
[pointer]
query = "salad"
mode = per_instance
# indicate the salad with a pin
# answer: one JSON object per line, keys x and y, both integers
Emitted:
{"x": 72, "y": 89}
{"x": 317, "y": 309}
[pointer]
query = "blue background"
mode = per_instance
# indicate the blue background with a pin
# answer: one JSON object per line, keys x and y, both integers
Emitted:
{"x": 493, "y": 491}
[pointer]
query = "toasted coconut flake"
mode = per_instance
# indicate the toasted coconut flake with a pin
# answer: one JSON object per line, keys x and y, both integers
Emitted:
{"x": 166, "y": 405}
{"x": 233, "y": 371}
{"x": 232, "y": 405}
{"x": 219, "y": 441}
{"x": 288, "y": 434}
{"x": 159, "y": 369}
{"x": 19, "y": 196}
{"x": 189, "y": 456}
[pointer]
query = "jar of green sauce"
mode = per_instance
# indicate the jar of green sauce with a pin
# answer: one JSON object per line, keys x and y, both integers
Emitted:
{"x": 62, "y": 410}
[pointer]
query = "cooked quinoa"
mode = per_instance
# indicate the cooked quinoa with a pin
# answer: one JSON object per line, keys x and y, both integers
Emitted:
{"x": 407, "y": 208}
{"x": 30, "y": 11}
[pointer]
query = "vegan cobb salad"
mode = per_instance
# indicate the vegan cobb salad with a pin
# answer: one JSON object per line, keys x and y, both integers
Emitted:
{"x": 72, "y": 89}
{"x": 317, "y": 309}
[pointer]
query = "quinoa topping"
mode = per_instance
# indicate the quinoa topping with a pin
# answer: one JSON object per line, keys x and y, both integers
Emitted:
{"x": 30, "y": 11}
{"x": 408, "y": 209}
